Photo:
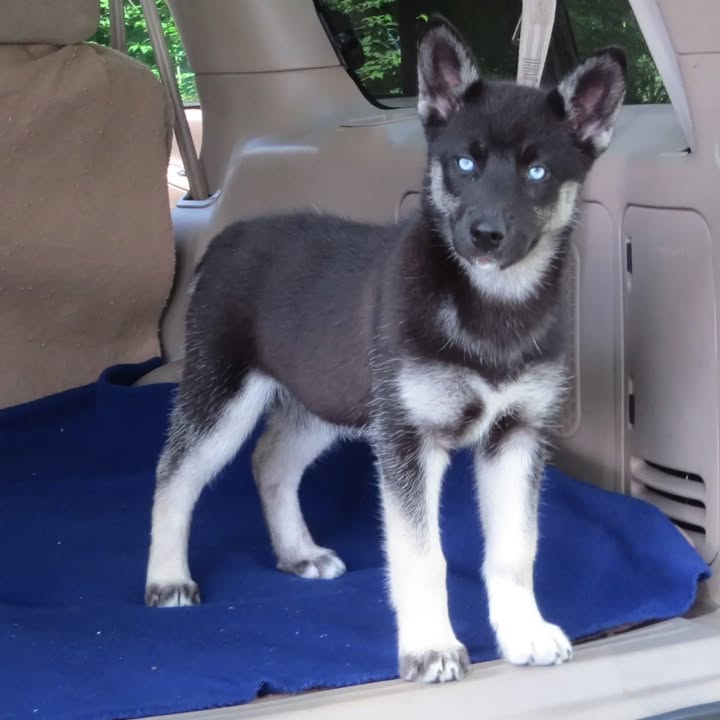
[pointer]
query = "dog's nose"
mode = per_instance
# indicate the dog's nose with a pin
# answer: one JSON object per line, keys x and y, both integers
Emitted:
{"x": 487, "y": 234}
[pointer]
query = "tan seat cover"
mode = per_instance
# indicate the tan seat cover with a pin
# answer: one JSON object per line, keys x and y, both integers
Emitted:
{"x": 86, "y": 249}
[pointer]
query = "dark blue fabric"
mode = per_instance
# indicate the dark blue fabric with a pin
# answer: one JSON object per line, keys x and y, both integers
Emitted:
{"x": 76, "y": 481}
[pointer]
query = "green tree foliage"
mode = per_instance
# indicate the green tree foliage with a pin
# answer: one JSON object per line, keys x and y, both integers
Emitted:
{"x": 388, "y": 31}
{"x": 139, "y": 47}
{"x": 377, "y": 29}
{"x": 615, "y": 24}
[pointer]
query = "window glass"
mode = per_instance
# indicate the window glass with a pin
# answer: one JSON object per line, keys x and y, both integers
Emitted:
{"x": 139, "y": 47}
{"x": 387, "y": 31}
{"x": 598, "y": 23}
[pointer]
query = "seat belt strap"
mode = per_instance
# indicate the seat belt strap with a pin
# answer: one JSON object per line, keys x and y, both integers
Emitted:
{"x": 536, "y": 26}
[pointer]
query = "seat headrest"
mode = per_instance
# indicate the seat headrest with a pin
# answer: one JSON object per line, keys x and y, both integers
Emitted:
{"x": 55, "y": 22}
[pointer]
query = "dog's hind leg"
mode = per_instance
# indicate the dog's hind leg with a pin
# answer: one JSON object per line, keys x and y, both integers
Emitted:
{"x": 208, "y": 426}
{"x": 292, "y": 440}
{"x": 509, "y": 470}
{"x": 411, "y": 472}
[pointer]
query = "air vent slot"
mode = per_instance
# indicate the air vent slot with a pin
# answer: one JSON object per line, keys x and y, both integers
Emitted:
{"x": 679, "y": 494}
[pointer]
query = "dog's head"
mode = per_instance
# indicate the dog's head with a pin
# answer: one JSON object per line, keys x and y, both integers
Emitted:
{"x": 506, "y": 161}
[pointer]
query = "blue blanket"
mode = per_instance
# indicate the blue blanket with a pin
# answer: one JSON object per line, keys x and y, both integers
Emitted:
{"x": 76, "y": 482}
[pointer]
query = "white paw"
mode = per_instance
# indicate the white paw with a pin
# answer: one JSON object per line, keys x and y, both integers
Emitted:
{"x": 533, "y": 642}
{"x": 177, "y": 594}
{"x": 435, "y": 666}
{"x": 325, "y": 566}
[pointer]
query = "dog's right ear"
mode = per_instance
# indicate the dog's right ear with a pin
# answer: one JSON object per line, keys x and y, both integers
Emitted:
{"x": 446, "y": 71}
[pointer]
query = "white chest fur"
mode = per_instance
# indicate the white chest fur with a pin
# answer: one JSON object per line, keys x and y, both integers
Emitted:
{"x": 460, "y": 406}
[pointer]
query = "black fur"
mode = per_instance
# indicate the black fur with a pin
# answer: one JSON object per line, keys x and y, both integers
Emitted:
{"x": 335, "y": 311}
{"x": 330, "y": 307}
{"x": 302, "y": 296}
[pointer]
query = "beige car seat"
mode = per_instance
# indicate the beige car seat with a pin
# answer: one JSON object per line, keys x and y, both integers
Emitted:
{"x": 86, "y": 247}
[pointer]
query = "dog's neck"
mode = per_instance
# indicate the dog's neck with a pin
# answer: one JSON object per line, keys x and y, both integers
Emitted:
{"x": 518, "y": 285}
{"x": 469, "y": 324}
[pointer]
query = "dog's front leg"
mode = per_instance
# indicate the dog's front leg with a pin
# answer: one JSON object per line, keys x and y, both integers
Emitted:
{"x": 411, "y": 471}
{"x": 509, "y": 470}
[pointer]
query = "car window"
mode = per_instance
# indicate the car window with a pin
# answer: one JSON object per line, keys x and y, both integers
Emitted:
{"x": 139, "y": 47}
{"x": 387, "y": 32}
{"x": 598, "y": 23}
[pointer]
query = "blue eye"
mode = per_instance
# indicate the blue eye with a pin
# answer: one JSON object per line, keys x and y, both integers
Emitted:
{"x": 466, "y": 164}
{"x": 537, "y": 172}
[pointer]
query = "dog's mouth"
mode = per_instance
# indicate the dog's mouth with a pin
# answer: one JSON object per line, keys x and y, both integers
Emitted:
{"x": 491, "y": 262}
{"x": 515, "y": 249}
{"x": 486, "y": 262}
{"x": 498, "y": 262}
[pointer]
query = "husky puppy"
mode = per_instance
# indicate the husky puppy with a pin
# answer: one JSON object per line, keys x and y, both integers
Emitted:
{"x": 439, "y": 333}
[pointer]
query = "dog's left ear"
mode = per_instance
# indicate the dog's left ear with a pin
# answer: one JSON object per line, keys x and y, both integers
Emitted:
{"x": 446, "y": 71}
{"x": 591, "y": 97}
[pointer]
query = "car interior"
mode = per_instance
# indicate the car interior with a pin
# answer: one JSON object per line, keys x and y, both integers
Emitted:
{"x": 107, "y": 212}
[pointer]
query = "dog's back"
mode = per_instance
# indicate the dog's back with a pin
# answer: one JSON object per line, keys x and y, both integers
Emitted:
{"x": 294, "y": 296}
